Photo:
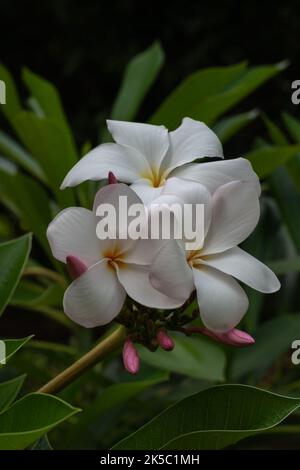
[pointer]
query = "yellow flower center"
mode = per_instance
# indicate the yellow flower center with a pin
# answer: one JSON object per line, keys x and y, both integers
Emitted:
{"x": 156, "y": 177}
{"x": 115, "y": 257}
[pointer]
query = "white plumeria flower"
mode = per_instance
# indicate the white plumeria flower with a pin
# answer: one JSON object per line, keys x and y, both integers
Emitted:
{"x": 231, "y": 214}
{"x": 114, "y": 267}
{"x": 146, "y": 156}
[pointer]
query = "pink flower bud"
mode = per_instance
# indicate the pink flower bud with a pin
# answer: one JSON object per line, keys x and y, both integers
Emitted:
{"x": 111, "y": 178}
{"x": 165, "y": 341}
{"x": 131, "y": 358}
{"x": 233, "y": 337}
{"x": 75, "y": 266}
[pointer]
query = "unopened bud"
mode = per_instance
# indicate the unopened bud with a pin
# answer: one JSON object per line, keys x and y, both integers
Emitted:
{"x": 75, "y": 266}
{"x": 165, "y": 341}
{"x": 233, "y": 337}
{"x": 111, "y": 178}
{"x": 131, "y": 357}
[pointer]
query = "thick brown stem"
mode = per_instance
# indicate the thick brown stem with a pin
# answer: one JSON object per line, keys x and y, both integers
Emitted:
{"x": 99, "y": 352}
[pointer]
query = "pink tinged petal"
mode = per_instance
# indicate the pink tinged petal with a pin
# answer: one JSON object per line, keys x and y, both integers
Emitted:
{"x": 233, "y": 337}
{"x": 236, "y": 262}
{"x": 75, "y": 266}
{"x": 131, "y": 357}
{"x": 214, "y": 174}
{"x": 170, "y": 272}
{"x": 165, "y": 341}
{"x": 135, "y": 280}
{"x": 235, "y": 215}
{"x": 73, "y": 233}
{"x": 222, "y": 301}
{"x": 125, "y": 162}
{"x": 95, "y": 298}
{"x": 111, "y": 178}
{"x": 191, "y": 140}
{"x": 150, "y": 141}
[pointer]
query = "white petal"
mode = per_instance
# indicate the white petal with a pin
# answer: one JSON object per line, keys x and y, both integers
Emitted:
{"x": 222, "y": 301}
{"x": 95, "y": 298}
{"x": 145, "y": 191}
{"x": 235, "y": 214}
{"x": 73, "y": 232}
{"x": 127, "y": 164}
{"x": 151, "y": 141}
{"x": 246, "y": 268}
{"x": 191, "y": 140}
{"x": 215, "y": 174}
{"x": 136, "y": 282}
{"x": 143, "y": 251}
{"x": 190, "y": 192}
{"x": 170, "y": 272}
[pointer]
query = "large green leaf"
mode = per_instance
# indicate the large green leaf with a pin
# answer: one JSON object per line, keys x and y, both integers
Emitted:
{"x": 29, "y": 201}
{"x": 31, "y": 294}
{"x": 51, "y": 147}
{"x": 13, "y": 345}
{"x": 48, "y": 98}
{"x": 209, "y": 93}
{"x": 229, "y": 126}
{"x": 9, "y": 390}
{"x": 267, "y": 159}
{"x": 11, "y": 149}
{"x": 140, "y": 74}
{"x": 30, "y": 418}
{"x": 288, "y": 199}
{"x": 13, "y": 104}
{"x": 272, "y": 339}
{"x": 212, "y": 419}
{"x": 197, "y": 357}
{"x": 110, "y": 398}
{"x": 13, "y": 257}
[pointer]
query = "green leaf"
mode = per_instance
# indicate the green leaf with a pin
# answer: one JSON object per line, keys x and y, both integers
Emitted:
{"x": 211, "y": 92}
{"x": 272, "y": 338}
{"x": 197, "y": 357}
{"x": 108, "y": 399}
{"x": 193, "y": 92}
{"x": 30, "y": 418}
{"x": 13, "y": 104}
{"x": 30, "y": 202}
{"x": 275, "y": 132}
{"x": 288, "y": 200}
{"x": 51, "y": 147}
{"x": 9, "y": 390}
{"x": 42, "y": 444}
{"x": 10, "y": 148}
{"x": 212, "y": 419}
{"x": 285, "y": 266}
{"x": 46, "y": 95}
{"x": 139, "y": 76}
{"x": 293, "y": 126}
{"x": 48, "y": 98}
{"x": 229, "y": 126}
{"x": 13, "y": 345}
{"x": 13, "y": 257}
{"x": 267, "y": 159}
{"x": 30, "y": 294}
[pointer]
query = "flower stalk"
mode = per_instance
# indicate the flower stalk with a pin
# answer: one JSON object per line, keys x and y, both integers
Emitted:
{"x": 110, "y": 344}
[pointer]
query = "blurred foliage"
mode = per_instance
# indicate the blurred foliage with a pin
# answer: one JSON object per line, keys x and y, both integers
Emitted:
{"x": 37, "y": 148}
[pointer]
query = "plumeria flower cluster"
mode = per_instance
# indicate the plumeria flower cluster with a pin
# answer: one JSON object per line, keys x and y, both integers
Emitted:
{"x": 146, "y": 284}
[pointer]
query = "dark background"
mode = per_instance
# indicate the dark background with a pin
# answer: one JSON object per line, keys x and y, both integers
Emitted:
{"x": 83, "y": 47}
